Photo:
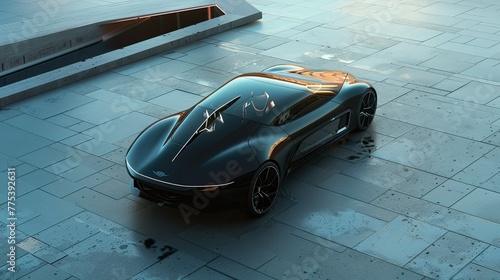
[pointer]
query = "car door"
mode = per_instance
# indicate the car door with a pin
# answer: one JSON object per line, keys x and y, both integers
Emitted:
{"x": 311, "y": 123}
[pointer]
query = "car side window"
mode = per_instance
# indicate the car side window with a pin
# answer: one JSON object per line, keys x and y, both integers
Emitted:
{"x": 300, "y": 109}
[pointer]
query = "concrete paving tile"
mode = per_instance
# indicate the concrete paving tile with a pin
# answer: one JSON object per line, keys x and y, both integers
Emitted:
{"x": 462, "y": 39}
{"x": 236, "y": 270}
{"x": 205, "y": 54}
{"x": 61, "y": 187}
{"x": 49, "y": 254}
{"x": 439, "y": 39}
{"x": 177, "y": 266}
{"x": 24, "y": 266}
{"x": 394, "y": 176}
{"x": 96, "y": 112}
{"x": 476, "y": 92}
{"x": 450, "y": 84}
{"x": 481, "y": 170}
{"x": 390, "y": 127}
{"x": 47, "y": 272}
{"x": 447, "y": 256}
{"x": 234, "y": 62}
{"x": 142, "y": 64}
{"x": 113, "y": 188}
{"x": 162, "y": 71}
{"x": 117, "y": 171}
{"x": 82, "y": 164}
{"x": 446, "y": 64}
{"x": 141, "y": 90}
{"x": 332, "y": 164}
{"x": 40, "y": 127}
{"x": 352, "y": 187}
{"x": 121, "y": 127}
{"x": 323, "y": 36}
{"x": 6, "y": 114}
{"x": 269, "y": 43}
{"x": 206, "y": 76}
{"x": 192, "y": 249}
{"x": 7, "y": 161}
{"x": 319, "y": 240}
{"x": 274, "y": 26}
{"x": 215, "y": 241}
{"x": 448, "y": 193}
{"x": 383, "y": 66}
{"x": 63, "y": 120}
{"x": 332, "y": 216}
{"x": 34, "y": 180}
{"x": 44, "y": 157}
{"x": 103, "y": 205}
{"x": 447, "y": 218}
{"x": 157, "y": 111}
{"x": 62, "y": 166}
{"x": 32, "y": 245}
{"x": 495, "y": 103}
{"x": 67, "y": 233}
{"x": 80, "y": 88}
{"x": 480, "y": 203}
{"x": 205, "y": 272}
{"x": 116, "y": 156}
{"x": 350, "y": 264}
{"x": 96, "y": 147}
{"x": 473, "y": 271}
{"x": 186, "y": 86}
{"x": 445, "y": 9}
{"x": 177, "y": 100}
{"x": 240, "y": 36}
{"x": 483, "y": 43}
{"x": 407, "y": 53}
{"x": 410, "y": 150}
{"x": 400, "y": 240}
{"x": 485, "y": 69}
{"x": 489, "y": 258}
{"x": 118, "y": 102}
{"x": 364, "y": 142}
{"x": 438, "y": 103}
{"x": 50, "y": 104}
{"x": 114, "y": 257}
{"x": 450, "y": 120}
{"x": 469, "y": 49}
{"x": 82, "y": 126}
{"x": 493, "y": 184}
{"x": 292, "y": 51}
{"x": 108, "y": 80}
{"x": 417, "y": 76}
{"x": 36, "y": 217}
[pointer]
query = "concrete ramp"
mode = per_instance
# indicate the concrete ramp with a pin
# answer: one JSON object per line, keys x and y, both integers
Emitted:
{"x": 60, "y": 43}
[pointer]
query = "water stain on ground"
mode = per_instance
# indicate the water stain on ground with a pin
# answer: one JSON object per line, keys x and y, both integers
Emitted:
{"x": 167, "y": 250}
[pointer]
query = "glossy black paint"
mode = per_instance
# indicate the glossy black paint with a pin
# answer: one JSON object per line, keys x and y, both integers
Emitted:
{"x": 285, "y": 114}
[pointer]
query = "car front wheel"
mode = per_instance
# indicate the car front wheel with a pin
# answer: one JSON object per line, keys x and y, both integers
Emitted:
{"x": 263, "y": 189}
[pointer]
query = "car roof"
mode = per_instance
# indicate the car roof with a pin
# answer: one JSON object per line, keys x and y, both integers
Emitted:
{"x": 264, "y": 95}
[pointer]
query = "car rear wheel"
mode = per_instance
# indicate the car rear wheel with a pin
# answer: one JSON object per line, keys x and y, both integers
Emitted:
{"x": 263, "y": 189}
{"x": 367, "y": 108}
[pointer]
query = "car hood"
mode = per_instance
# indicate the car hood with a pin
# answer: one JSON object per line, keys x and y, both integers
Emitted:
{"x": 177, "y": 152}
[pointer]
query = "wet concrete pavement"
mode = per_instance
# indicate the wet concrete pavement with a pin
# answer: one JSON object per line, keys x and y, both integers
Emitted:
{"x": 414, "y": 197}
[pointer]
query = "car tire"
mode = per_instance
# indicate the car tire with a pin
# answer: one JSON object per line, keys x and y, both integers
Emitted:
{"x": 264, "y": 189}
{"x": 367, "y": 108}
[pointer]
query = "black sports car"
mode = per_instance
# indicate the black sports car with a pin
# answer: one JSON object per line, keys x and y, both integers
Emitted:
{"x": 242, "y": 140}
